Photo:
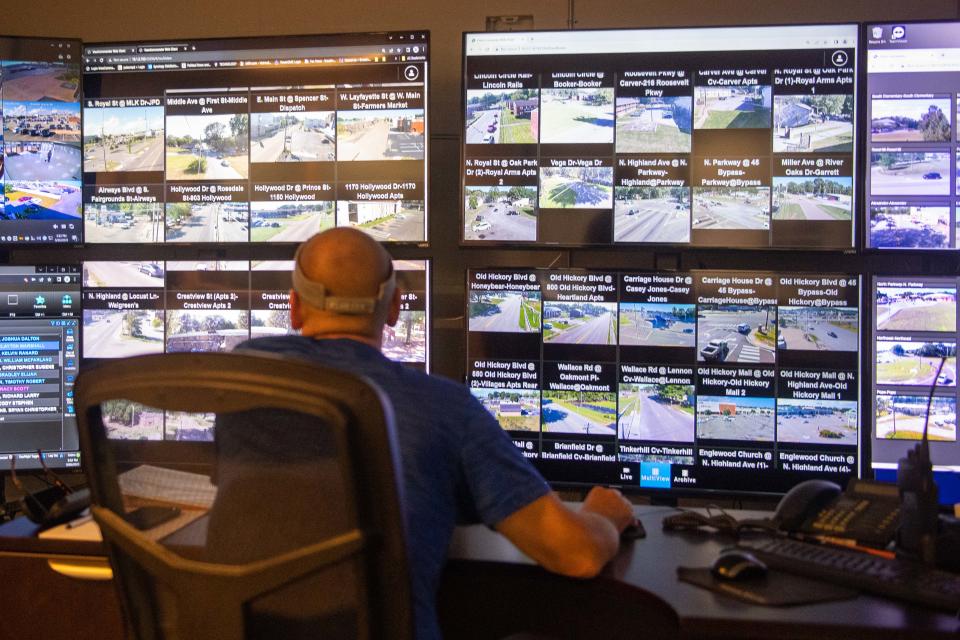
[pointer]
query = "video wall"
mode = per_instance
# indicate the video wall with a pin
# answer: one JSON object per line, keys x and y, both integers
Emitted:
{"x": 135, "y": 308}
{"x": 723, "y": 137}
{"x": 687, "y": 381}
{"x": 256, "y": 139}
{"x": 913, "y": 82}
{"x": 40, "y": 137}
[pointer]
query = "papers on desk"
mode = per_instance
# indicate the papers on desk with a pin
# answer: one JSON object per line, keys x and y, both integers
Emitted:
{"x": 82, "y": 529}
{"x": 190, "y": 490}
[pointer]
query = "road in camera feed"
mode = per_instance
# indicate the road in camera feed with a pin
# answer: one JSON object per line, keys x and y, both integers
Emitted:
{"x": 577, "y": 188}
{"x": 732, "y": 108}
{"x": 902, "y": 363}
{"x": 652, "y": 220}
{"x": 731, "y": 209}
{"x": 576, "y": 116}
{"x": 118, "y": 274}
{"x": 206, "y": 223}
{"x": 143, "y": 155}
{"x": 654, "y": 324}
{"x": 812, "y": 208}
{"x": 479, "y": 131}
{"x": 506, "y": 317}
{"x": 599, "y": 329}
{"x": 108, "y": 335}
{"x": 906, "y": 227}
{"x": 294, "y": 143}
{"x": 744, "y": 347}
{"x": 41, "y": 161}
{"x": 197, "y": 427}
{"x": 806, "y": 329}
{"x": 24, "y": 81}
{"x": 404, "y": 224}
{"x": 904, "y": 417}
{"x": 288, "y": 222}
{"x": 911, "y": 176}
{"x": 386, "y": 135}
{"x": 917, "y": 315}
{"x": 141, "y": 228}
{"x": 499, "y": 221}
{"x": 729, "y": 418}
{"x": 645, "y": 417}
{"x": 825, "y": 422}
{"x": 567, "y": 416}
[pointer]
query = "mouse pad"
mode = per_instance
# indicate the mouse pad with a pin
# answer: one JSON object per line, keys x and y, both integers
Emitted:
{"x": 776, "y": 589}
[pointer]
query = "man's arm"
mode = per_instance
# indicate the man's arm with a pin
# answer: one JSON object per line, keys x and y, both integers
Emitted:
{"x": 568, "y": 542}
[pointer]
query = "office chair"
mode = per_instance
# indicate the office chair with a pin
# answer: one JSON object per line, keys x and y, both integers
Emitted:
{"x": 303, "y": 535}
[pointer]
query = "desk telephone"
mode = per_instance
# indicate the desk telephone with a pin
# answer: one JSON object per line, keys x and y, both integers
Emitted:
{"x": 868, "y": 512}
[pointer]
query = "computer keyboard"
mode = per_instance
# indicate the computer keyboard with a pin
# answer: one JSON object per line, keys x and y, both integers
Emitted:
{"x": 895, "y": 579}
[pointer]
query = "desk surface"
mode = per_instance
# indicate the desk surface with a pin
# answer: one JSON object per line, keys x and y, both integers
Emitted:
{"x": 648, "y": 567}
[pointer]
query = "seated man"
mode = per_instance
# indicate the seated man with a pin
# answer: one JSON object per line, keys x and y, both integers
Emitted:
{"x": 458, "y": 464}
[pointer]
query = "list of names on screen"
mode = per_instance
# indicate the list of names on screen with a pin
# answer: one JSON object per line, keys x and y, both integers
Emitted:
{"x": 688, "y": 381}
{"x": 733, "y": 137}
{"x": 256, "y": 140}
{"x": 913, "y": 82}
{"x": 915, "y": 331}
{"x": 40, "y": 139}
{"x": 39, "y": 335}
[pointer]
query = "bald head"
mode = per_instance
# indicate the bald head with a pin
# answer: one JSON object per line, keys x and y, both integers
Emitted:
{"x": 351, "y": 269}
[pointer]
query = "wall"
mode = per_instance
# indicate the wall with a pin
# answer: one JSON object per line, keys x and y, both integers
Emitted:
{"x": 101, "y": 20}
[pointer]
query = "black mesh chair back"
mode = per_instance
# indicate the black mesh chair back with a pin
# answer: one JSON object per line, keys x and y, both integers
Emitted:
{"x": 293, "y": 528}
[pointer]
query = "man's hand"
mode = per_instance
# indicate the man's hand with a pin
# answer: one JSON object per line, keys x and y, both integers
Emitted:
{"x": 610, "y": 504}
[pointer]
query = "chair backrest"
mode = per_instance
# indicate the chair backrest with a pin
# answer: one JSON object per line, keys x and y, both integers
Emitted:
{"x": 297, "y": 529}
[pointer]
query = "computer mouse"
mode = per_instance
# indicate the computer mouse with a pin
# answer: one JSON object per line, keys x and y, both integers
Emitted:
{"x": 737, "y": 564}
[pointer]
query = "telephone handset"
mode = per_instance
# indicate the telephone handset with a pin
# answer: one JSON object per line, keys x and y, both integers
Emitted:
{"x": 867, "y": 512}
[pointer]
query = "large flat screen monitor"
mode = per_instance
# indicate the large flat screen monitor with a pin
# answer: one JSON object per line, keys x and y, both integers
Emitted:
{"x": 913, "y": 77}
{"x": 39, "y": 361}
{"x": 256, "y": 139}
{"x": 739, "y": 137}
{"x": 915, "y": 327}
{"x": 133, "y": 308}
{"x": 40, "y": 139}
{"x": 735, "y": 381}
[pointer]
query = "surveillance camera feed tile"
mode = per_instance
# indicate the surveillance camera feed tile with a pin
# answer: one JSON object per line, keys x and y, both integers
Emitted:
{"x": 141, "y": 307}
{"x": 40, "y": 141}
{"x": 915, "y": 353}
{"x": 913, "y": 81}
{"x": 736, "y": 381}
{"x": 260, "y": 140}
{"x": 706, "y": 137}
{"x": 39, "y": 362}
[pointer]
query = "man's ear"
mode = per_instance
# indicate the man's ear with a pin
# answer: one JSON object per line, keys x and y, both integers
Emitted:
{"x": 296, "y": 311}
{"x": 393, "y": 314}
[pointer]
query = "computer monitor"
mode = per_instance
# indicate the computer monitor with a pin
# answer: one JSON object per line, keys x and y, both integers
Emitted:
{"x": 256, "y": 139}
{"x": 913, "y": 76}
{"x": 739, "y": 137}
{"x": 708, "y": 381}
{"x": 134, "y": 308}
{"x": 39, "y": 361}
{"x": 915, "y": 327}
{"x": 40, "y": 138}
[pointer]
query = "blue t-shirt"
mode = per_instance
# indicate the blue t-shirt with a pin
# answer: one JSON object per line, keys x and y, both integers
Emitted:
{"x": 459, "y": 466}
